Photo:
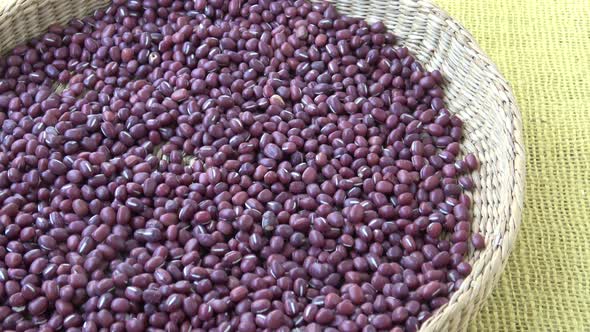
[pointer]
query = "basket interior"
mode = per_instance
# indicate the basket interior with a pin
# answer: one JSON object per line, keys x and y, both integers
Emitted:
{"x": 473, "y": 89}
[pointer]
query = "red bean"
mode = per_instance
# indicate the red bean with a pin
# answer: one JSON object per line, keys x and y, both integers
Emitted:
{"x": 274, "y": 319}
{"x": 478, "y": 241}
{"x": 471, "y": 162}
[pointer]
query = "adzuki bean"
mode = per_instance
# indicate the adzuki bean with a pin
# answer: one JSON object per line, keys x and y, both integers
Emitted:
{"x": 240, "y": 165}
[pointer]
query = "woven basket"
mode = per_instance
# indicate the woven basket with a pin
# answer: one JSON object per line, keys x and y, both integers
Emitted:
{"x": 474, "y": 90}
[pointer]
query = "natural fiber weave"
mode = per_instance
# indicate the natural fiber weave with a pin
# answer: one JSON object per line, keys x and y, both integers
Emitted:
{"x": 474, "y": 90}
{"x": 542, "y": 47}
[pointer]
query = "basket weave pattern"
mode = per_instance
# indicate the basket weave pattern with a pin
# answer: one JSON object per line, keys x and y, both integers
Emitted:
{"x": 474, "y": 89}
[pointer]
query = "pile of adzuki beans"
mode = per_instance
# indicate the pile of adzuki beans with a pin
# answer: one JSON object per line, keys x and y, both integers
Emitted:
{"x": 226, "y": 166}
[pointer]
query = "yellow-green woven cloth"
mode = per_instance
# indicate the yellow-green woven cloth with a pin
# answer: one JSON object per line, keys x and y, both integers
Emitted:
{"x": 543, "y": 49}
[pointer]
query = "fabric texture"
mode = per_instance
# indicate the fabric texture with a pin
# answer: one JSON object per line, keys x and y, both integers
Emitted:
{"x": 543, "y": 49}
